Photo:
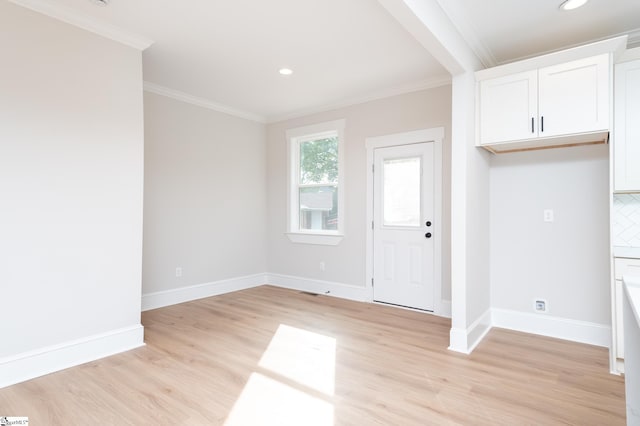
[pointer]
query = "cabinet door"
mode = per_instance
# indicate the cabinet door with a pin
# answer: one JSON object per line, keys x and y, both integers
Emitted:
{"x": 574, "y": 97}
{"x": 507, "y": 107}
{"x": 626, "y": 133}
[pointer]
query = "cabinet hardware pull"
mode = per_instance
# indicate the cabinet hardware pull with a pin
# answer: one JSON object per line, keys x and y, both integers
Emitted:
{"x": 542, "y": 124}
{"x": 531, "y": 124}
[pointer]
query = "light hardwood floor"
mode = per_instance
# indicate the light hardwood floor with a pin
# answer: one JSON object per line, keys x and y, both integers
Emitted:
{"x": 275, "y": 356}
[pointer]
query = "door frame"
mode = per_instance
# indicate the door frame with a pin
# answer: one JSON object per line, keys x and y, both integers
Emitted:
{"x": 434, "y": 135}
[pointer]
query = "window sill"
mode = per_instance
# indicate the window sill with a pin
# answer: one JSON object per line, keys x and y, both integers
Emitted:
{"x": 319, "y": 239}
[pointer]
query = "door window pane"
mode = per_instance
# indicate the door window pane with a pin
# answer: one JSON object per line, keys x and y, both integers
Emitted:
{"x": 401, "y": 192}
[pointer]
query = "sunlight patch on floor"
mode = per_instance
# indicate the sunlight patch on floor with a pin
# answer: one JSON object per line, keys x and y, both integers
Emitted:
{"x": 266, "y": 401}
{"x": 303, "y": 356}
{"x": 295, "y": 384}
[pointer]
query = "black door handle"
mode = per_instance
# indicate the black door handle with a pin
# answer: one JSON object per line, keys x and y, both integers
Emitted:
{"x": 427, "y": 235}
{"x": 428, "y": 223}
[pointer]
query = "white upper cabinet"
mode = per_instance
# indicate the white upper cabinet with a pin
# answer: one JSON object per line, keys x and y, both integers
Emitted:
{"x": 508, "y": 107}
{"x": 574, "y": 97}
{"x": 626, "y": 136}
{"x": 558, "y": 105}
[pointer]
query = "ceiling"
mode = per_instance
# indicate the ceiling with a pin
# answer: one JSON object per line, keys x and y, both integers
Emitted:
{"x": 227, "y": 53}
{"x": 502, "y": 31}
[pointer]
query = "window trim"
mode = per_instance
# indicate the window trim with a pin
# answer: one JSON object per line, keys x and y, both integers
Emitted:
{"x": 294, "y": 138}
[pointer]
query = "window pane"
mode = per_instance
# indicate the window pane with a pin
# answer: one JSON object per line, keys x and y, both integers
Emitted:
{"x": 319, "y": 161}
{"x": 319, "y": 208}
{"x": 401, "y": 196}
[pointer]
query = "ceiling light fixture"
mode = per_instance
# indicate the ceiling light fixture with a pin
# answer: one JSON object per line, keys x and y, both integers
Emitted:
{"x": 100, "y": 2}
{"x": 572, "y": 4}
{"x": 285, "y": 71}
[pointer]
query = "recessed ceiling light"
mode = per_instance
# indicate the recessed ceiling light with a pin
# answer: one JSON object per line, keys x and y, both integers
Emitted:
{"x": 100, "y": 2}
{"x": 572, "y": 4}
{"x": 285, "y": 71}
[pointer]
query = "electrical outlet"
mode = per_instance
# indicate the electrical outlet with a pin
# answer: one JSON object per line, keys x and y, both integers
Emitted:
{"x": 179, "y": 271}
{"x": 322, "y": 266}
{"x": 540, "y": 305}
{"x": 548, "y": 215}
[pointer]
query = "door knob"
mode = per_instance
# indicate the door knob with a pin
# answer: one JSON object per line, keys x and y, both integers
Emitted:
{"x": 428, "y": 223}
{"x": 427, "y": 235}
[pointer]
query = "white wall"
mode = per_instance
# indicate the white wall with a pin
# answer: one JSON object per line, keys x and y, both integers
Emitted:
{"x": 71, "y": 176}
{"x": 565, "y": 262}
{"x": 478, "y": 231}
{"x": 470, "y": 308}
{"x": 345, "y": 263}
{"x": 205, "y": 195}
{"x": 478, "y": 218}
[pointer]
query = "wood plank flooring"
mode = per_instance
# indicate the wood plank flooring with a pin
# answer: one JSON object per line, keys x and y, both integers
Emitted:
{"x": 274, "y": 356}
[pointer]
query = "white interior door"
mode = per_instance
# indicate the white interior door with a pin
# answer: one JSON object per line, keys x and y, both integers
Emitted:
{"x": 403, "y": 225}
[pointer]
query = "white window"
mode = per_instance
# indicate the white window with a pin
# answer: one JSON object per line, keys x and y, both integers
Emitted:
{"x": 316, "y": 192}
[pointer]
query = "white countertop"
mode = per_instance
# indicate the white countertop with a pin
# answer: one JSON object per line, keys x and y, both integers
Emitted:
{"x": 629, "y": 252}
{"x": 632, "y": 286}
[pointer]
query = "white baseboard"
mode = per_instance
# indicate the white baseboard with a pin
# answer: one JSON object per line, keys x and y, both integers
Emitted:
{"x": 185, "y": 294}
{"x": 458, "y": 340}
{"x": 28, "y": 365}
{"x": 174, "y": 296}
{"x": 329, "y": 288}
{"x": 545, "y": 325}
{"x": 465, "y": 340}
{"x": 462, "y": 340}
{"x": 478, "y": 330}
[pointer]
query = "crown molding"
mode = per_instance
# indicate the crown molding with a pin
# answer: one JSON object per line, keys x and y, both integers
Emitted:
{"x": 206, "y": 103}
{"x": 634, "y": 38}
{"x": 201, "y": 102}
{"x": 86, "y": 22}
{"x": 458, "y": 19}
{"x": 438, "y": 81}
{"x": 615, "y": 44}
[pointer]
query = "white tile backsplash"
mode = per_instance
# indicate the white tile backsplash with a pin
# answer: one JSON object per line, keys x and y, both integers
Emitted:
{"x": 626, "y": 220}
